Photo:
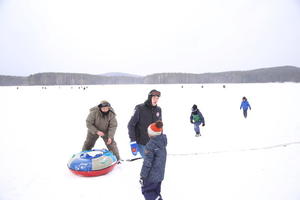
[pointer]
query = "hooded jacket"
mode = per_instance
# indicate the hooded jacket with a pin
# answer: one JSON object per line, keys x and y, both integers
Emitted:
{"x": 97, "y": 121}
{"x": 143, "y": 116}
{"x": 153, "y": 169}
{"x": 245, "y": 105}
{"x": 197, "y": 116}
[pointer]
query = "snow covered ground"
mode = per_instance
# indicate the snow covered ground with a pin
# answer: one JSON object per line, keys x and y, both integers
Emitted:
{"x": 235, "y": 158}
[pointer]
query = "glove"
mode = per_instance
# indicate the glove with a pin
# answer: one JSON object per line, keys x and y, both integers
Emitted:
{"x": 192, "y": 121}
{"x": 141, "y": 181}
{"x": 203, "y": 124}
{"x": 134, "y": 148}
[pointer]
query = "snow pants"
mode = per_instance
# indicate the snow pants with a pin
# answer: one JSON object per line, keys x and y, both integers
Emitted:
{"x": 245, "y": 113}
{"x": 91, "y": 140}
{"x": 197, "y": 126}
{"x": 151, "y": 191}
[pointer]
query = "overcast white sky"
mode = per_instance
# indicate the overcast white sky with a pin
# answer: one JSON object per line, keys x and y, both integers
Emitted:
{"x": 145, "y": 37}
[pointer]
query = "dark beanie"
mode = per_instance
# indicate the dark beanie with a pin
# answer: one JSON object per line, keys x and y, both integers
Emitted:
{"x": 151, "y": 94}
{"x": 194, "y": 108}
{"x": 104, "y": 104}
{"x": 154, "y": 93}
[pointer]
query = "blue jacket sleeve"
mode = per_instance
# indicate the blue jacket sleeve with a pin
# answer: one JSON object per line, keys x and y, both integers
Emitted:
{"x": 131, "y": 124}
{"x": 249, "y": 105}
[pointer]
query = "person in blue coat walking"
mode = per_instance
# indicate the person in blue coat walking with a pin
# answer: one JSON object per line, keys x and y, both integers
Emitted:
{"x": 197, "y": 119}
{"x": 153, "y": 169}
{"x": 245, "y": 105}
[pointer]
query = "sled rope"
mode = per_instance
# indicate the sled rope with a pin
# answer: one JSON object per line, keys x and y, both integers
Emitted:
{"x": 238, "y": 150}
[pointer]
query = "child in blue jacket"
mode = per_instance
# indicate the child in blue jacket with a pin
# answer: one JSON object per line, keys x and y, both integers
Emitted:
{"x": 153, "y": 169}
{"x": 197, "y": 119}
{"x": 245, "y": 105}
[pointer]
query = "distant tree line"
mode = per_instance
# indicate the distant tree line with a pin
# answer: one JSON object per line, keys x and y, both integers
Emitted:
{"x": 264, "y": 75}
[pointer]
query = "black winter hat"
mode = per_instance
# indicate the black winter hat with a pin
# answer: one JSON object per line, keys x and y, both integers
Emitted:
{"x": 104, "y": 104}
{"x": 194, "y": 107}
{"x": 154, "y": 93}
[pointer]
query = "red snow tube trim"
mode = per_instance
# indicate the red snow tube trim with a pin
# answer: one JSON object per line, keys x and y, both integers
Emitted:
{"x": 94, "y": 172}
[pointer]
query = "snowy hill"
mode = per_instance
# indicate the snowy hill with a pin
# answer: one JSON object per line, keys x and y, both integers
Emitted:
{"x": 235, "y": 158}
{"x": 263, "y": 75}
{"x": 117, "y": 74}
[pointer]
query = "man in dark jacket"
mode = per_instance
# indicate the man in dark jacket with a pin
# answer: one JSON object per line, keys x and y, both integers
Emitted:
{"x": 153, "y": 169}
{"x": 144, "y": 114}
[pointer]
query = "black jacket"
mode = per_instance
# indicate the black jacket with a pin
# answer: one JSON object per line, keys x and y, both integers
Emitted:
{"x": 144, "y": 115}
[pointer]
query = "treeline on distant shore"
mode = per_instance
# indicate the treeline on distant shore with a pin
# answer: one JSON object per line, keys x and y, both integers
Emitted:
{"x": 263, "y": 75}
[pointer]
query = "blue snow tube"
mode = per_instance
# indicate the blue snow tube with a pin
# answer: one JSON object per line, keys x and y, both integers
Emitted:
{"x": 94, "y": 162}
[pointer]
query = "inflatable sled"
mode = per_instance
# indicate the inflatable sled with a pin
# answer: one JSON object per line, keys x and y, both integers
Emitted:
{"x": 92, "y": 162}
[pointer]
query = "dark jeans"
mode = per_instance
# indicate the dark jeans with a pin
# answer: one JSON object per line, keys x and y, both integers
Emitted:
{"x": 245, "y": 113}
{"x": 151, "y": 191}
{"x": 141, "y": 149}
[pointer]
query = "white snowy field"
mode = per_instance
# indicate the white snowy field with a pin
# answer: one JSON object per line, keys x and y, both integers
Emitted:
{"x": 235, "y": 158}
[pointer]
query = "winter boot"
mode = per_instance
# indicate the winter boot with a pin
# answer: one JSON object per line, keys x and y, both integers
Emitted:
{"x": 198, "y": 134}
{"x": 120, "y": 161}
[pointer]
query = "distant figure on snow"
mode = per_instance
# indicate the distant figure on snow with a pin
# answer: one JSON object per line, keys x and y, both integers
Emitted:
{"x": 153, "y": 169}
{"x": 197, "y": 119}
{"x": 245, "y": 105}
{"x": 102, "y": 122}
